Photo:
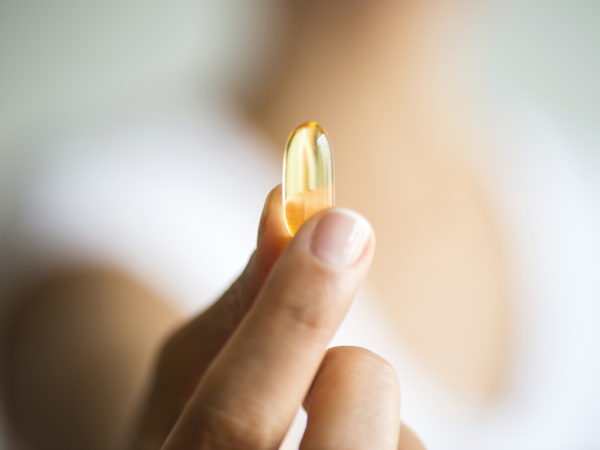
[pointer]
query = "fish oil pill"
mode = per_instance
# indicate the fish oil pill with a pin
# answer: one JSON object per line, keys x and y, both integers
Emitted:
{"x": 307, "y": 175}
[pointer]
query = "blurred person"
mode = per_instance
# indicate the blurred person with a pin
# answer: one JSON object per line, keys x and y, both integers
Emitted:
{"x": 482, "y": 293}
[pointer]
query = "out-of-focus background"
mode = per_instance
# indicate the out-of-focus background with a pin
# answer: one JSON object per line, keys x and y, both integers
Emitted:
{"x": 68, "y": 65}
{"x": 146, "y": 134}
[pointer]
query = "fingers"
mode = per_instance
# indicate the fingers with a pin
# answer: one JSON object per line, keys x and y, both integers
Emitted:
{"x": 354, "y": 402}
{"x": 190, "y": 350}
{"x": 250, "y": 393}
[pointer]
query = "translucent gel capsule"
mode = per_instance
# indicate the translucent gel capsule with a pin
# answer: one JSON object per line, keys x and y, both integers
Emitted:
{"x": 307, "y": 175}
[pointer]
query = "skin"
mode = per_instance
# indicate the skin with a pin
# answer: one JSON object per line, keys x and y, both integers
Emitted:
{"x": 232, "y": 377}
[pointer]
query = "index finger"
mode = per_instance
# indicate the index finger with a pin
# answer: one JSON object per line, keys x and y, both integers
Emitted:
{"x": 251, "y": 391}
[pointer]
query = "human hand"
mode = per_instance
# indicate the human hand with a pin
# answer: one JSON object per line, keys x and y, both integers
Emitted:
{"x": 234, "y": 376}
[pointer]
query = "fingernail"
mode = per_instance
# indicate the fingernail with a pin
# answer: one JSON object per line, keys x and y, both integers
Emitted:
{"x": 340, "y": 237}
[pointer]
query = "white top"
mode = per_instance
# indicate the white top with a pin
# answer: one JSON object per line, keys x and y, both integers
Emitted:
{"x": 177, "y": 201}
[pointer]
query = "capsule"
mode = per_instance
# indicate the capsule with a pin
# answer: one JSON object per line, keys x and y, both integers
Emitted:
{"x": 307, "y": 175}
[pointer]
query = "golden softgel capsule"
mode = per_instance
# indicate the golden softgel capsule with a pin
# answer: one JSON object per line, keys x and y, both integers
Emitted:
{"x": 307, "y": 174}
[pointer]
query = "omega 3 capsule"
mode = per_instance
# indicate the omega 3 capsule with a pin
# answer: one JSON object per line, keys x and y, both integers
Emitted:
{"x": 307, "y": 175}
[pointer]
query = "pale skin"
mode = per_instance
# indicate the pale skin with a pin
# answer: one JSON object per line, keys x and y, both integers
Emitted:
{"x": 234, "y": 376}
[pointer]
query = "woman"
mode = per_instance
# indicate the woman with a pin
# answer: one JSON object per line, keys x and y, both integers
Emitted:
{"x": 382, "y": 78}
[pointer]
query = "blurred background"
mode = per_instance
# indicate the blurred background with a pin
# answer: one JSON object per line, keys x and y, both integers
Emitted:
{"x": 144, "y": 136}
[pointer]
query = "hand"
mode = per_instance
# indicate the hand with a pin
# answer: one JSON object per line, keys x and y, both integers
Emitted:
{"x": 235, "y": 376}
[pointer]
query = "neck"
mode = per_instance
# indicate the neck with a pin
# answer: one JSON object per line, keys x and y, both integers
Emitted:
{"x": 381, "y": 84}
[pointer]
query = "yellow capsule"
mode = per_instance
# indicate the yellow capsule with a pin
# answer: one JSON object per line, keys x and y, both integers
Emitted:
{"x": 307, "y": 175}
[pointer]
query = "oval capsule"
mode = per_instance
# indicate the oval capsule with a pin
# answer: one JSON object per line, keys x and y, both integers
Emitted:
{"x": 307, "y": 174}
